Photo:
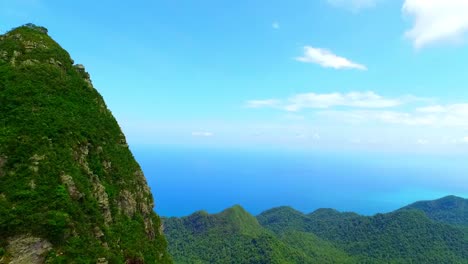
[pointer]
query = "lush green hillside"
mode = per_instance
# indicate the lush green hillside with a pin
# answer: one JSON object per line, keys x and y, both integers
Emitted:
{"x": 402, "y": 236}
{"x": 450, "y": 209}
{"x": 70, "y": 189}
{"x": 324, "y": 236}
{"x": 235, "y": 236}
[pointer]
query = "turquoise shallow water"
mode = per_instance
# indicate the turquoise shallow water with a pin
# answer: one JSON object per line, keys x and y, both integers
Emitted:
{"x": 184, "y": 180}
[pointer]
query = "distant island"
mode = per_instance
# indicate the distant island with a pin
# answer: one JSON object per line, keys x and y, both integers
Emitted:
{"x": 423, "y": 232}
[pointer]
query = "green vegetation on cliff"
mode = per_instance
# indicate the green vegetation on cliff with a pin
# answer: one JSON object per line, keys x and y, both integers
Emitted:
{"x": 67, "y": 178}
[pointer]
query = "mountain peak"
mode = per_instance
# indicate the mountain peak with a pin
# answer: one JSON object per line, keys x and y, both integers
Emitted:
{"x": 37, "y": 28}
{"x": 30, "y": 46}
{"x": 237, "y": 217}
{"x": 69, "y": 182}
{"x": 235, "y": 208}
{"x": 450, "y": 209}
{"x": 451, "y": 198}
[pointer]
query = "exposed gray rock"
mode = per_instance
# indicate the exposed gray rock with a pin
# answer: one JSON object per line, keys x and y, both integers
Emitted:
{"x": 88, "y": 81}
{"x": 30, "y": 45}
{"x": 99, "y": 150}
{"x": 149, "y": 228}
{"x": 16, "y": 54}
{"x": 123, "y": 141}
{"x": 100, "y": 235}
{"x": 27, "y": 250}
{"x": 146, "y": 204}
{"x": 98, "y": 232}
{"x": 32, "y": 184}
{"x": 81, "y": 155}
{"x": 35, "y": 160}
{"x": 139, "y": 201}
{"x": 79, "y": 67}
{"x": 99, "y": 193}
{"x": 3, "y": 54}
{"x": 55, "y": 62}
{"x": 37, "y": 28}
{"x": 17, "y": 36}
{"x": 107, "y": 165}
{"x": 67, "y": 180}
{"x": 127, "y": 203}
{"x": 101, "y": 261}
{"x": 29, "y": 62}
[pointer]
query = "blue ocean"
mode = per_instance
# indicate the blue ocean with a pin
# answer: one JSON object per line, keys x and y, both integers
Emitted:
{"x": 185, "y": 180}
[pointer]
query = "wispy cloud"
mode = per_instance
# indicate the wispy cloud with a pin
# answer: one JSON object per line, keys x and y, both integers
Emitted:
{"x": 370, "y": 107}
{"x": 436, "y": 21}
{"x": 455, "y": 109}
{"x": 202, "y": 134}
{"x": 262, "y": 103}
{"x": 301, "y": 101}
{"x": 360, "y": 117}
{"x": 352, "y": 99}
{"x": 354, "y": 5}
{"x": 455, "y": 115}
{"x": 327, "y": 59}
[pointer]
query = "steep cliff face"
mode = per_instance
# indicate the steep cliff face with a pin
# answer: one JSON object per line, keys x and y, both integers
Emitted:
{"x": 70, "y": 189}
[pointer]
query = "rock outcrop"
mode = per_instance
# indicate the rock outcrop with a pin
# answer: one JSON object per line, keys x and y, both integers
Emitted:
{"x": 26, "y": 250}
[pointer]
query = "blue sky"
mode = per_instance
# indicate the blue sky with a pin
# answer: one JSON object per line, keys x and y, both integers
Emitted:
{"x": 359, "y": 105}
{"x": 372, "y": 75}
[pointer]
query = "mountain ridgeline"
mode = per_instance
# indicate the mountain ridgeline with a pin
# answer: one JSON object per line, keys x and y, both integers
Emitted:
{"x": 450, "y": 210}
{"x": 70, "y": 189}
{"x": 424, "y": 232}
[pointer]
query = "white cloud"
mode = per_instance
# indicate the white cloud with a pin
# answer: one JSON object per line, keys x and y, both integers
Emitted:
{"x": 202, "y": 134}
{"x": 367, "y": 120}
{"x": 327, "y": 100}
{"x": 354, "y": 5}
{"x": 456, "y": 109}
{"x": 352, "y": 99}
{"x": 447, "y": 115}
{"x": 431, "y": 109}
{"x": 362, "y": 107}
{"x": 454, "y": 115}
{"x": 327, "y": 59}
{"x": 386, "y": 117}
{"x": 262, "y": 103}
{"x": 275, "y": 25}
{"x": 436, "y": 21}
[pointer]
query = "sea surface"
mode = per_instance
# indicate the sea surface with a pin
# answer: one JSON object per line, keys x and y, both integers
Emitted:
{"x": 187, "y": 179}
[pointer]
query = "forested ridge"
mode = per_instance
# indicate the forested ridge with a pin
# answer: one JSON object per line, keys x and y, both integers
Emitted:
{"x": 285, "y": 235}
